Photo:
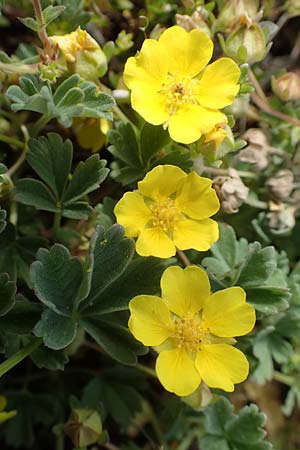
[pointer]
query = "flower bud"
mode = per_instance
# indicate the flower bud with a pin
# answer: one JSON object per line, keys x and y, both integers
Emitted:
{"x": 287, "y": 86}
{"x": 6, "y": 185}
{"x": 281, "y": 184}
{"x": 235, "y": 12}
{"x": 246, "y": 44}
{"x": 281, "y": 218}
{"x": 196, "y": 21}
{"x": 84, "y": 427}
{"x": 256, "y": 153}
{"x": 231, "y": 191}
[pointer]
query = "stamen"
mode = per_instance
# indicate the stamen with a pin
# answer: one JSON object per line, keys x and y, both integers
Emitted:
{"x": 189, "y": 333}
{"x": 178, "y": 91}
{"x": 164, "y": 214}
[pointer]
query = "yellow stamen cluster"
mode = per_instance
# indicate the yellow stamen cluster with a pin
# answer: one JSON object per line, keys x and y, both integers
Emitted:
{"x": 164, "y": 214}
{"x": 178, "y": 91}
{"x": 189, "y": 333}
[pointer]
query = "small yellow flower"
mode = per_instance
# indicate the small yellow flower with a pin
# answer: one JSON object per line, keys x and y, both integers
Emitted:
{"x": 171, "y": 84}
{"x": 91, "y": 132}
{"x": 81, "y": 50}
{"x": 194, "y": 331}
{"x": 216, "y": 135}
{"x": 170, "y": 209}
{"x": 70, "y": 44}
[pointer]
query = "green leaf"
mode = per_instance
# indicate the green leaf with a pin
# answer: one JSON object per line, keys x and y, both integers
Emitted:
{"x": 124, "y": 145}
{"x": 229, "y": 431}
{"x": 72, "y": 98}
{"x": 115, "y": 339}
{"x": 51, "y": 13}
{"x": 8, "y": 291}
{"x": 152, "y": 139}
{"x": 112, "y": 253}
{"x": 56, "y": 278}
{"x": 22, "y": 318}
{"x": 35, "y": 193}
{"x": 87, "y": 177}
{"x": 256, "y": 269}
{"x": 51, "y": 159}
{"x": 17, "y": 253}
{"x": 49, "y": 359}
{"x": 57, "y": 331}
{"x": 29, "y": 22}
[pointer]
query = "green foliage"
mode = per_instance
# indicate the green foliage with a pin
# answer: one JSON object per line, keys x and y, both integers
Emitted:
{"x": 51, "y": 158}
{"x": 7, "y": 294}
{"x": 2, "y": 220}
{"x": 72, "y": 98}
{"x": 228, "y": 431}
{"x": 236, "y": 262}
{"x": 136, "y": 153}
{"x": 84, "y": 295}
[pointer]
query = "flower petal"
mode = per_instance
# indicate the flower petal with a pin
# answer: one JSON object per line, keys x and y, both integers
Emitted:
{"x": 148, "y": 67}
{"x": 185, "y": 290}
{"x": 218, "y": 86}
{"x": 177, "y": 372}
{"x": 132, "y": 213}
{"x": 155, "y": 242}
{"x": 196, "y": 198}
{"x": 188, "y": 52}
{"x": 144, "y": 75}
{"x": 221, "y": 366}
{"x": 150, "y": 321}
{"x": 227, "y": 314}
{"x": 197, "y": 234}
{"x": 161, "y": 182}
{"x": 191, "y": 121}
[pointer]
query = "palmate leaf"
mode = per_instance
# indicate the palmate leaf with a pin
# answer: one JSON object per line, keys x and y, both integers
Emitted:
{"x": 256, "y": 269}
{"x": 72, "y": 98}
{"x": 51, "y": 158}
{"x": 228, "y": 431}
{"x": 83, "y": 295}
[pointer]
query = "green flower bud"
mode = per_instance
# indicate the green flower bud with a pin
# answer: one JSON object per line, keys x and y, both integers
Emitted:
{"x": 246, "y": 44}
{"x": 234, "y": 12}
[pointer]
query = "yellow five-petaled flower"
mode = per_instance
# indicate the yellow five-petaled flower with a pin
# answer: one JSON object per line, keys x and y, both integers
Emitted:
{"x": 193, "y": 331}
{"x": 171, "y": 85}
{"x": 170, "y": 209}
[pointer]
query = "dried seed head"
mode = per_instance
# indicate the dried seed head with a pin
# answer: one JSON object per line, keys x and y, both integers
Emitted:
{"x": 231, "y": 191}
{"x": 281, "y": 185}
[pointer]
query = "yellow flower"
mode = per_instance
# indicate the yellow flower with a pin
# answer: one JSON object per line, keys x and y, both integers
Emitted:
{"x": 216, "y": 135}
{"x": 91, "y": 132}
{"x": 194, "y": 331}
{"x": 171, "y": 84}
{"x": 82, "y": 51}
{"x": 170, "y": 209}
{"x": 70, "y": 44}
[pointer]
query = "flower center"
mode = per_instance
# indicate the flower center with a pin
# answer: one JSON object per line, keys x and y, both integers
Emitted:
{"x": 178, "y": 91}
{"x": 189, "y": 333}
{"x": 164, "y": 214}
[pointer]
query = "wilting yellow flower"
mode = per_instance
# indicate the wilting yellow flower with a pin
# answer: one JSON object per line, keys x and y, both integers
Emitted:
{"x": 171, "y": 84}
{"x": 170, "y": 209}
{"x": 79, "y": 47}
{"x": 193, "y": 331}
{"x": 91, "y": 132}
{"x": 70, "y": 44}
{"x": 216, "y": 135}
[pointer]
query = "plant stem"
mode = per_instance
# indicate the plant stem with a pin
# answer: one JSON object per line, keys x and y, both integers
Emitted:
{"x": 146, "y": 370}
{"x": 183, "y": 258}
{"x": 225, "y": 172}
{"x": 282, "y": 378}
{"x": 19, "y": 69}
{"x": 56, "y": 222}
{"x": 269, "y": 110}
{"x": 42, "y": 32}
{"x": 22, "y": 157}
{"x": 257, "y": 86}
{"x": 11, "y": 141}
{"x": 39, "y": 125}
{"x": 15, "y": 359}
